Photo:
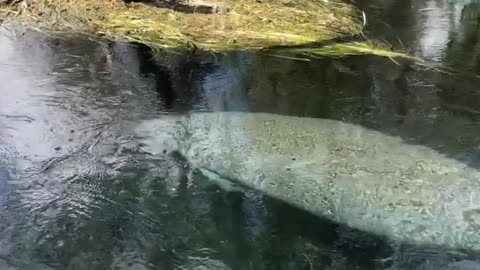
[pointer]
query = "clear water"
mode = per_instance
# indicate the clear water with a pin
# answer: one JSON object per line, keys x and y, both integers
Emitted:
{"x": 72, "y": 196}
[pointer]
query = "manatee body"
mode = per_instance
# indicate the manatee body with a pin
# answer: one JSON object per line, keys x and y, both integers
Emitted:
{"x": 346, "y": 173}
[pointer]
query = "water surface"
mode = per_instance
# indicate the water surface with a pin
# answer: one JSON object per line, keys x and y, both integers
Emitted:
{"x": 73, "y": 194}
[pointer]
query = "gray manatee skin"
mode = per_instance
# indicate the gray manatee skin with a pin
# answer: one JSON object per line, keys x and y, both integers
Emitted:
{"x": 346, "y": 173}
{"x": 459, "y": 265}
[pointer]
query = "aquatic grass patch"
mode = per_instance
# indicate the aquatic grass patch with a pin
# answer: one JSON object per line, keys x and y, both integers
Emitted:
{"x": 249, "y": 25}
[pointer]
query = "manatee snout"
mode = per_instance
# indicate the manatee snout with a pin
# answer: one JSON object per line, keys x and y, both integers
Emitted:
{"x": 179, "y": 159}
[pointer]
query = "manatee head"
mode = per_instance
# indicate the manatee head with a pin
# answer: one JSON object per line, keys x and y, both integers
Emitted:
{"x": 159, "y": 136}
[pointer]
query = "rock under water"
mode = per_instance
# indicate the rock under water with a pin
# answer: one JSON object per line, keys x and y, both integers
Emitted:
{"x": 346, "y": 173}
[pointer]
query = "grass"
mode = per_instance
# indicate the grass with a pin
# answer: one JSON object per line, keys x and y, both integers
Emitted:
{"x": 250, "y": 25}
{"x": 348, "y": 49}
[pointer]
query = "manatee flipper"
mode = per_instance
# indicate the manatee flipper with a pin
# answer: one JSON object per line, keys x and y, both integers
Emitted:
{"x": 192, "y": 173}
{"x": 213, "y": 178}
{"x": 222, "y": 182}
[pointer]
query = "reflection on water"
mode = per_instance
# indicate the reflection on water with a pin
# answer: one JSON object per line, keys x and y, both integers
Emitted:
{"x": 73, "y": 195}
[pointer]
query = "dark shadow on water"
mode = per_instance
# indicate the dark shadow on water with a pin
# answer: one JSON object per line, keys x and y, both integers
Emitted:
{"x": 177, "y": 76}
{"x": 163, "y": 80}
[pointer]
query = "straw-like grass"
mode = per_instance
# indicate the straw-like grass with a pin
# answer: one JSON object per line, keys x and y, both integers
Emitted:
{"x": 349, "y": 49}
{"x": 250, "y": 24}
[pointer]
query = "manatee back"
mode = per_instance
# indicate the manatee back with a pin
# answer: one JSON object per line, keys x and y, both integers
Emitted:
{"x": 349, "y": 173}
{"x": 341, "y": 171}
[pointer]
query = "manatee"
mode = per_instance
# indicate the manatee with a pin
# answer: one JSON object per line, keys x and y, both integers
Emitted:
{"x": 457, "y": 265}
{"x": 346, "y": 173}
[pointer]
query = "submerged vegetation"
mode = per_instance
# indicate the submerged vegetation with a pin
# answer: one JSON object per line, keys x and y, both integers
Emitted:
{"x": 249, "y": 25}
{"x": 337, "y": 49}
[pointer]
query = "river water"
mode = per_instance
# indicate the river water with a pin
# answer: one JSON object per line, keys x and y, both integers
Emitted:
{"x": 73, "y": 195}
